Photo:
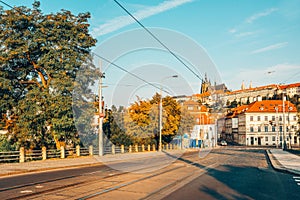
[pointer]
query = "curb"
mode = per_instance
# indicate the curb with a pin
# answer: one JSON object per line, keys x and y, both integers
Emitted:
{"x": 276, "y": 165}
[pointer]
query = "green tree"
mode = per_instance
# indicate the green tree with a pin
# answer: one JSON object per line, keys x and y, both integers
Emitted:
{"x": 39, "y": 59}
{"x": 113, "y": 127}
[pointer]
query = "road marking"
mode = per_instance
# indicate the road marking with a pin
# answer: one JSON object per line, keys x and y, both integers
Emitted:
{"x": 26, "y": 191}
{"x": 297, "y": 179}
{"x": 39, "y": 186}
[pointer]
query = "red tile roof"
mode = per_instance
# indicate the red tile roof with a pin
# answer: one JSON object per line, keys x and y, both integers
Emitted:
{"x": 205, "y": 94}
{"x": 289, "y": 86}
{"x": 271, "y": 106}
{"x": 266, "y": 106}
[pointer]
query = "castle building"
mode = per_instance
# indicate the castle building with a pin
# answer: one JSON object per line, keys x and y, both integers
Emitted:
{"x": 249, "y": 95}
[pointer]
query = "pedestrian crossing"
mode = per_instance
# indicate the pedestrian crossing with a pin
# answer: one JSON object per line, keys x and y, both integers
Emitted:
{"x": 297, "y": 179}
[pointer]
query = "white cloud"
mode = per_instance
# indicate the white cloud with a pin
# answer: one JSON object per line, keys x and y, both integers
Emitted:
{"x": 256, "y": 16}
{"x": 271, "y": 47}
{"x": 233, "y": 30}
{"x": 244, "y": 34}
{"x": 122, "y": 21}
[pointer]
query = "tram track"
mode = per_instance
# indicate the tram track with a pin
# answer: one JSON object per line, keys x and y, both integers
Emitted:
{"x": 82, "y": 181}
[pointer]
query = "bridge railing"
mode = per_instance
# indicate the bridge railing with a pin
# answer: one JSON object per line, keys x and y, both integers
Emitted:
{"x": 27, "y": 155}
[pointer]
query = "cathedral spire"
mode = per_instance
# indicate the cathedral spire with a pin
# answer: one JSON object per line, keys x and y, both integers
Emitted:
{"x": 250, "y": 86}
{"x": 243, "y": 85}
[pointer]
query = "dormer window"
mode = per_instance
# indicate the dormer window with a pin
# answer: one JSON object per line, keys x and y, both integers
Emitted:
{"x": 261, "y": 108}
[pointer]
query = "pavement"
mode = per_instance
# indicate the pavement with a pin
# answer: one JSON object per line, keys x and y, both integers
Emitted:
{"x": 7, "y": 169}
{"x": 279, "y": 159}
{"x": 284, "y": 161}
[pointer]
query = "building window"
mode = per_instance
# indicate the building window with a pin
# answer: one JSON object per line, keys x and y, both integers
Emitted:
{"x": 295, "y": 139}
{"x": 266, "y": 138}
{"x": 266, "y": 118}
{"x": 266, "y": 128}
{"x": 273, "y": 138}
{"x": 273, "y": 118}
{"x": 280, "y": 118}
{"x": 258, "y": 129}
{"x": 251, "y": 129}
{"x": 273, "y": 129}
{"x": 251, "y": 118}
{"x": 280, "y": 128}
{"x": 258, "y": 118}
{"x": 295, "y": 118}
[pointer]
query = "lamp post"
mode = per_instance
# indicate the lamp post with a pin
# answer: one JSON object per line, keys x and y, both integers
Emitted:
{"x": 160, "y": 110}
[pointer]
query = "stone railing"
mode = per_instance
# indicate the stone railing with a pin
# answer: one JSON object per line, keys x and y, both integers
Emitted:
{"x": 24, "y": 155}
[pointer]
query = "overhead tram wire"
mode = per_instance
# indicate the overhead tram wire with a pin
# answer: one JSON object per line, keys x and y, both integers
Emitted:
{"x": 294, "y": 75}
{"x": 158, "y": 40}
{"x": 7, "y": 5}
{"x": 13, "y": 8}
{"x": 132, "y": 74}
{"x": 108, "y": 61}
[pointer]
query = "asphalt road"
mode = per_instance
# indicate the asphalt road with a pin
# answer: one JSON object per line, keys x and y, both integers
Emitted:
{"x": 247, "y": 175}
{"x": 226, "y": 173}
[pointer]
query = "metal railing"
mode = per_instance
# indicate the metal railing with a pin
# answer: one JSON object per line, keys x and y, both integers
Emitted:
{"x": 53, "y": 153}
{"x": 32, "y": 155}
{"x": 9, "y": 156}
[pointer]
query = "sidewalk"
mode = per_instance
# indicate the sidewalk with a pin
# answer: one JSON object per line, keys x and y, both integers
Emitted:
{"x": 284, "y": 161}
{"x": 57, "y": 164}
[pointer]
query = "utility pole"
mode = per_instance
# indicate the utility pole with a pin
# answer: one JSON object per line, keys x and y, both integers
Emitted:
{"x": 284, "y": 125}
{"x": 101, "y": 115}
{"x": 160, "y": 120}
{"x": 277, "y": 127}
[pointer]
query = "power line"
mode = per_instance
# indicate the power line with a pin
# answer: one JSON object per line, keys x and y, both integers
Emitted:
{"x": 292, "y": 76}
{"x": 158, "y": 40}
{"x": 13, "y": 8}
{"x": 7, "y": 5}
{"x": 132, "y": 74}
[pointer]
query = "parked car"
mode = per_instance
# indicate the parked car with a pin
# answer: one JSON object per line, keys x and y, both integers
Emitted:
{"x": 223, "y": 143}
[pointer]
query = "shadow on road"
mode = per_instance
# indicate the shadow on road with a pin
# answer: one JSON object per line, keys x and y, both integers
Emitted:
{"x": 239, "y": 179}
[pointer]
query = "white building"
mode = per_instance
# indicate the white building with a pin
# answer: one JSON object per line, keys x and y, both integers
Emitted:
{"x": 206, "y": 133}
{"x": 263, "y": 123}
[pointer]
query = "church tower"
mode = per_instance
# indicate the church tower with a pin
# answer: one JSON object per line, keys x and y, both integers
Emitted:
{"x": 204, "y": 85}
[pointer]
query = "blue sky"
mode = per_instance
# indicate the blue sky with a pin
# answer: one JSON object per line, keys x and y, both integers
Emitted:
{"x": 247, "y": 40}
